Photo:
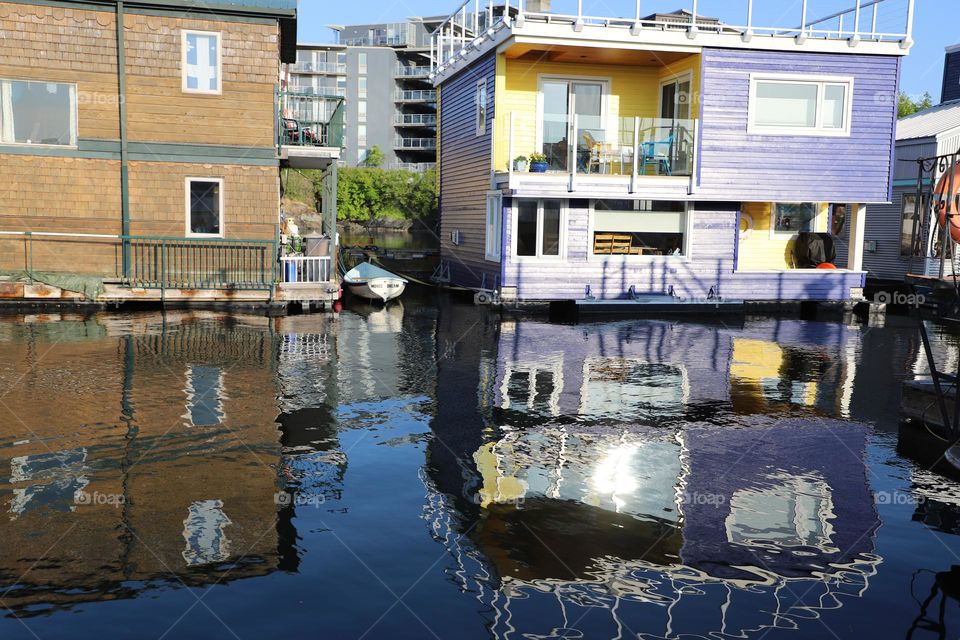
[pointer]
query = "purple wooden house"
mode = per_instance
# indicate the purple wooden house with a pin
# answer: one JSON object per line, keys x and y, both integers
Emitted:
{"x": 662, "y": 155}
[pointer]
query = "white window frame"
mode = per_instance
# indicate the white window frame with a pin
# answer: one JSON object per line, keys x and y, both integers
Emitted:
{"x": 610, "y": 126}
{"x": 187, "y": 211}
{"x": 493, "y": 224}
{"x": 677, "y": 79}
{"x": 818, "y": 129}
{"x": 7, "y": 119}
{"x": 687, "y": 239}
{"x": 481, "y": 104}
{"x": 515, "y": 218}
{"x": 184, "y": 33}
{"x": 783, "y": 235}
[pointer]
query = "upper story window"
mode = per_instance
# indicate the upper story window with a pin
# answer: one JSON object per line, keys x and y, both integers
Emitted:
{"x": 38, "y": 112}
{"x": 362, "y": 62}
{"x": 201, "y": 65}
{"x": 800, "y": 105}
{"x": 481, "y": 107}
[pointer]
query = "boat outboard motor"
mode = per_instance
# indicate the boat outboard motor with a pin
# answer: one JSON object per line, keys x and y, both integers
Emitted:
{"x": 813, "y": 249}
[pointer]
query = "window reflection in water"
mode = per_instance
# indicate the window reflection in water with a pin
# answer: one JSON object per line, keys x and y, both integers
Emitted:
{"x": 203, "y": 530}
{"x": 204, "y": 395}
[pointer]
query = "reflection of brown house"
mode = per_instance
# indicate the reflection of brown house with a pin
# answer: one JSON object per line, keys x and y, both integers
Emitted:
{"x": 177, "y": 487}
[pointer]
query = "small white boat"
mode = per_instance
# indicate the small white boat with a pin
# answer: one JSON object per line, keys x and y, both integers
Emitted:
{"x": 370, "y": 281}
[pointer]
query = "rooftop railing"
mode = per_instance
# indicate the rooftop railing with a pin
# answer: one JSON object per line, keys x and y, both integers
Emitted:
{"x": 478, "y": 21}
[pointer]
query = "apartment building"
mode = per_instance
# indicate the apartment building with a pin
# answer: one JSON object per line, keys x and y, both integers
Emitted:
{"x": 383, "y": 72}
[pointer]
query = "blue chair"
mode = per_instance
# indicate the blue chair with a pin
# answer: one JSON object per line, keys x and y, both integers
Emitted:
{"x": 658, "y": 154}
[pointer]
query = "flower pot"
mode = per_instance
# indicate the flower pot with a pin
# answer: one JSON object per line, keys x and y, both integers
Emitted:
{"x": 520, "y": 166}
{"x": 538, "y": 167}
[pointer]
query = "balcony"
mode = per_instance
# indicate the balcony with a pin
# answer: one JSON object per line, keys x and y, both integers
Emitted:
{"x": 406, "y": 71}
{"x": 425, "y": 95}
{"x": 852, "y": 26}
{"x": 329, "y": 68}
{"x": 415, "y": 144}
{"x": 415, "y": 120}
{"x": 655, "y": 156}
{"x": 309, "y": 129}
{"x": 322, "y": 92}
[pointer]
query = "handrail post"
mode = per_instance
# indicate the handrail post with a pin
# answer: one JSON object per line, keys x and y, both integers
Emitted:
{"x": 873, "y": 23}
{"x": 572, "y": 153}
{"x": 748, "y": 34}
{"x": 692, "y": 31}
{"x": 907, "y": 41}
{"x": 510, "y": 150}
{"x": 636, "y": 154}
{"x": 855, "y": 38}
{"x": 30, "y": 255}
{"x": 163, "y": 271}
{"x": 803, "y": 23}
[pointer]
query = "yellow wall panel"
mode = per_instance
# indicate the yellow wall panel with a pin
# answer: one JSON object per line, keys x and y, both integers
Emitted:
{"x": 760, "y": 251}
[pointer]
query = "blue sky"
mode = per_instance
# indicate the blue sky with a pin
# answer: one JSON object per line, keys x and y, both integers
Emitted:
{"x": 934, "y": 28}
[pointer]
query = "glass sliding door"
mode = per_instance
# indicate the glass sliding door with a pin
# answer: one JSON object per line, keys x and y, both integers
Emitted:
{"x": 675, "y": 125}
{"x": 562, "y": 99}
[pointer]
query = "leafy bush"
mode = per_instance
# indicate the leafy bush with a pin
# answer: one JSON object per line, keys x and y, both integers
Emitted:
{"x": 368, "y": 194}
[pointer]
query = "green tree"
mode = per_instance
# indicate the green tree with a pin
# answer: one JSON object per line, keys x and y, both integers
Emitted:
{"x": 374, "y": 157}
{"x": 907, "y": 106}
{"x": 366, "y": 195}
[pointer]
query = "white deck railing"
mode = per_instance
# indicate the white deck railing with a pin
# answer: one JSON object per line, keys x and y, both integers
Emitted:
{"x": 476, "y": 21}
{"x": 305, "y": 269}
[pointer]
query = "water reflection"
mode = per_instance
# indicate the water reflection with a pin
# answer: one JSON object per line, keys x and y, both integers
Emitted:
{"x": 637, "y": 478}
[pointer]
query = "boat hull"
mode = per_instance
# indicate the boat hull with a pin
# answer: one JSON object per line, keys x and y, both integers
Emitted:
{"x": 385, "y": 289}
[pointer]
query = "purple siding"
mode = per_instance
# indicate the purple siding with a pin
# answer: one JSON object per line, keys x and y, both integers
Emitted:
{"x": 710, "y": 265}
{"x": 465, "y": 163}
{"x": 734, "y": 165}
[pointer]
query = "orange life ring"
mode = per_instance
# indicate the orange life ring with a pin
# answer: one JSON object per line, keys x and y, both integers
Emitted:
{"x": 946, "y": 203}
{"x": 826, "y": 265}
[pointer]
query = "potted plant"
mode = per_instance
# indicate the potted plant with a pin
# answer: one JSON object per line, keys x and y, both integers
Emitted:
{"x": 520, "y": 163}
{"x": 538, "y": 163}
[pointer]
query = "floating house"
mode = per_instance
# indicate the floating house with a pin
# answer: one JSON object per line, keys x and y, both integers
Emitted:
{"x": 672, "y": 154}
{"x": 141, "y": 145}
{"x": 900, "y": 237}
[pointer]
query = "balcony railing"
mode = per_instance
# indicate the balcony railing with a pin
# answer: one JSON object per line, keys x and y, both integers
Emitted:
{"x": 417, "y": 95}
{"x": 635, "y": 148}
{"x": 418, "y": 167}
{"x": 426, "y": 144}
{"x": 307, "y": 120}
{"x": 476, "y": 22}
{"x": 337, "y": 68}
{"x": 319, "y": 91}
{"x": 405, "y": 71}
{"x": 416, "y": 120}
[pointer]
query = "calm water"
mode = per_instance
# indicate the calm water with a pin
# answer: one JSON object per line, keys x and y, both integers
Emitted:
{"x": 434, "y": 471}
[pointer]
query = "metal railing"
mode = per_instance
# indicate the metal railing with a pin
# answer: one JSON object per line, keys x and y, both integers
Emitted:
{"x": 635, "y": 148}
{"x": 307, "y": 120}
{"x": 417, "y": 95}
{"x": 406, "y": 71}
{"x": 416, "y": 119}
{"x": 418, "y": 167}
{"x": 155, "y": 262}
{"x": 476, "y": 22}
{"x": 305, "y": 269}
{"x": 415, "y": 143}
{"x": 336, "y": 68}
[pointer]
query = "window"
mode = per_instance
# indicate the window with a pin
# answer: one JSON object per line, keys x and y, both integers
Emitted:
{"x": 362, "y": 61}
{"x": 204, "y": 206}
{"x": 362, "y": 135}
{"x": 792, "y": 218}
{"x": 494, "y": 225}
{"x": 201, "y": 62}
{"x": 908, "y": 214}
{"x": 539, "y": 230}
{"x": 792, "y": 105}
{"x": 38, "y": 112}
{"x": 560, "y": 101}
{"x": 481, "y": 100}
{"x": 639, "y": 228}
{"x": 362, "y": 88}
{"x": 362, "y": 110}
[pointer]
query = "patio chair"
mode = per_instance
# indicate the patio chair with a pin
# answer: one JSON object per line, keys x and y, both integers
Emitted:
{"x": 657, "y": 153}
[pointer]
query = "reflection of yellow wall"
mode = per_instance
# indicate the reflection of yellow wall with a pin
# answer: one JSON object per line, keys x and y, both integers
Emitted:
{"x": 760, "y": 252}
{"x": 635, "y": 92}
{"x": 498, "y": 486}
{"x": 757, "y": 360}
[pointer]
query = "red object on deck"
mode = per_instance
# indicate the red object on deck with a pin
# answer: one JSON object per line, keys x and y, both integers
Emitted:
{"x": 945, "y": 203}
{"x": 826, "y": 265}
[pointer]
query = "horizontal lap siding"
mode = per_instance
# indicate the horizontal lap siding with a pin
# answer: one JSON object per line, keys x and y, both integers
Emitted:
{"x": 796, "y": 168}
{"x": 711, "y": 266}
{"x": 465, "y": 175}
